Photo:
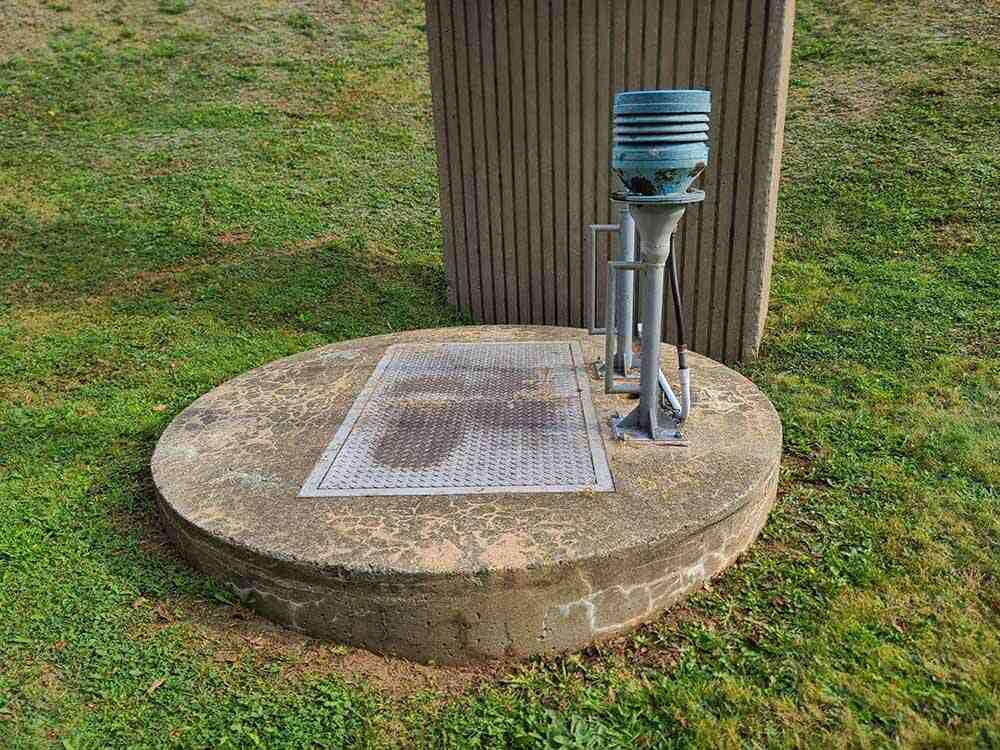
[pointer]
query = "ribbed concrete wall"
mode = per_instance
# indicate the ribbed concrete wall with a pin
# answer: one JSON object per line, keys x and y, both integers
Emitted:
{"x": 522, "y": 105}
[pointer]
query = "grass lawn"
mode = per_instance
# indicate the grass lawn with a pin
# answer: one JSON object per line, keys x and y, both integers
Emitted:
{"x": 190, "y": 188}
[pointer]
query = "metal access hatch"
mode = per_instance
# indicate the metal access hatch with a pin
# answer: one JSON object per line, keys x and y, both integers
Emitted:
{"x": 468, "y": 418}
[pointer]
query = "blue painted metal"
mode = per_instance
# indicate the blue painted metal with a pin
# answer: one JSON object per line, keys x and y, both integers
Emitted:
{"x": 659, "y": 119}
{"x": 652, "y": 140}
{"x": 651, "y": 128}
{"x": 660, "y": 158}
{"x": 658, "y": 168}
{"x": 658, "y": 153}
{"x": 683, "y": 100}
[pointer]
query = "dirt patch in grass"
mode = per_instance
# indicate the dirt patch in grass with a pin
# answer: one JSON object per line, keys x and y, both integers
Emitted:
{"x": 795, "y": 464}
{"x": 230, "y": 632}
{"x": 233, "y": 237}
{"x": 851, "y": 95}
{"x": 985, "y": 345}
{"x": 144, "y": 283}
{"x": 26, "y": 398}
{"x": 35, "y": 321}
{"x": 20, "y": 193}
{"x": 234, "y": 633}
{"x": 27, "y": 27}
{"x": 953, "y": 237}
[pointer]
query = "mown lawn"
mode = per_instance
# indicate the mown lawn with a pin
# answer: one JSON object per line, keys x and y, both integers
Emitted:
{"x": 190, "y": 188}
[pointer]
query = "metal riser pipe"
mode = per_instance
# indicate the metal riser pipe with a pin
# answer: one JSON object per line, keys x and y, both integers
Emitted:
{"x": 625, "y": 282}
{"x": 652, "y": 331}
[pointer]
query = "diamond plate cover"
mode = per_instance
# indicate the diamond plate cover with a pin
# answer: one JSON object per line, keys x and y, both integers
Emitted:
{"x": 468, "y": 418}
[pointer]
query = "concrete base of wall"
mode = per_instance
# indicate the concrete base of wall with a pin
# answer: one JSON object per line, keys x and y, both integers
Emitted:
{"x": 459, "y": 578}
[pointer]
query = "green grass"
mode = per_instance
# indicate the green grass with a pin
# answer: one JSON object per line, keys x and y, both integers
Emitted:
{"x": 190, "y": 189}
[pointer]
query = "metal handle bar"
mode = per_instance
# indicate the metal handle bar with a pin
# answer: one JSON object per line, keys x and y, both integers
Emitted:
{"x": 590, "y": 298}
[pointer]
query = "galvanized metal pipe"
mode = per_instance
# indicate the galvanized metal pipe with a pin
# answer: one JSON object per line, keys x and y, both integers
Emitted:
{"x": 652, "y": 330}
{"x": 668, "y": 392}
{"x": 656, "y": 222}
{"x": 626, "y": 284}
{"x": 590, "y": 298}
{"x": 683, "y": 371}
{"x": 615, "y": 268}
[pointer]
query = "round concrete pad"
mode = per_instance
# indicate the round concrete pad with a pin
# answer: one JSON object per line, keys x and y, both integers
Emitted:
{"x": 458, "y": 578}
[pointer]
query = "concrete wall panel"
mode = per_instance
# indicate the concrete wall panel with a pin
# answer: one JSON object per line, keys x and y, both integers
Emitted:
{"x": 522, "y": 110}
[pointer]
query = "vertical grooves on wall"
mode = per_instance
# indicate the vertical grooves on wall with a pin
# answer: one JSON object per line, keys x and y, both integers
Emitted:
{"x": 775, "y": 63}
{"x": 543, "y": 81}
{"x": 617, "y": 70}
{"x": 613, "y": 71}
{"x": 677, "y": 40}
{"x": 560, "y": 199}
{"x": 516, "y": 56}
{"x": 529, "y": 28}
{"x": 465, "y": 161}
{"x": 716, "y": 198}
{"x": 474, "y": 11}
{"x": 753, "y": 207}
{"x": 640, "y": 35}
{"x": 634, "y": 66}
{"x": 622, "y": 54}
{"x": 743, "y": 193}
{"x": 494, "y": 203}
{"x": 692, "y": 218}
{"x": 734, "y": 261}
{"x": 588, "y": 145}
{"x": 523, "y": 92}
{"x": 706, "y": 224}
{"x": 574, "y": 186}
{"x": 724, "y": 169}
{"x": 651, "y": 43}
{"x": 602, "y": 62}
{"x": 501, "y": 87}
{"x": 441, "y": 131}
{"x": 660, "y": 35}
{"x": 473, "y": 196}
{"x": 704, "y": 18}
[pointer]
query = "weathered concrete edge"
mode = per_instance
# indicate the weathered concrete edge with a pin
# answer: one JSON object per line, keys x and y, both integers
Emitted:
{"x": 454, "y": 619}
{"x": 777, "y": 69}
{"x": 505, "y": 332}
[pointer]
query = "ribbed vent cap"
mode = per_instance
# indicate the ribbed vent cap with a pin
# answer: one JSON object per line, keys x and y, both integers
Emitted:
{"x": 675, "y": 101}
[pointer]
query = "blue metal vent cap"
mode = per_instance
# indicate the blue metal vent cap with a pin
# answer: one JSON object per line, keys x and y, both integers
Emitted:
{"x": 677, "y": 101}
{"x": 653, "y": 154}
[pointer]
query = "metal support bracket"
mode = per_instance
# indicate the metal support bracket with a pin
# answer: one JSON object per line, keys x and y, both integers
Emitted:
{"x": 590, "y": 298}
{"x": 611, "y": 337}
{"x": 627, "y": 428}
{"x": 611, "y": 342}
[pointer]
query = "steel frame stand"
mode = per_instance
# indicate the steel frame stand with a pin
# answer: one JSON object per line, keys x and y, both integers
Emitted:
{"x": 657, "y": 218}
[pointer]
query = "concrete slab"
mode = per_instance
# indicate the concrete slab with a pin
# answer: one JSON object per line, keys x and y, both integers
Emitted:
{"x": 457, "y": 578}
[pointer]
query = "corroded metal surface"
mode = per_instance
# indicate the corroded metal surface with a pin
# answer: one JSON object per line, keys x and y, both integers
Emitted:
{"x": 468, "y": 418}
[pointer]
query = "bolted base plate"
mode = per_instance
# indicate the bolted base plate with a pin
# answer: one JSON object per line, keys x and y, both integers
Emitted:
{"x": 628, "y": 428}
{"x": 632, "y": 374}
